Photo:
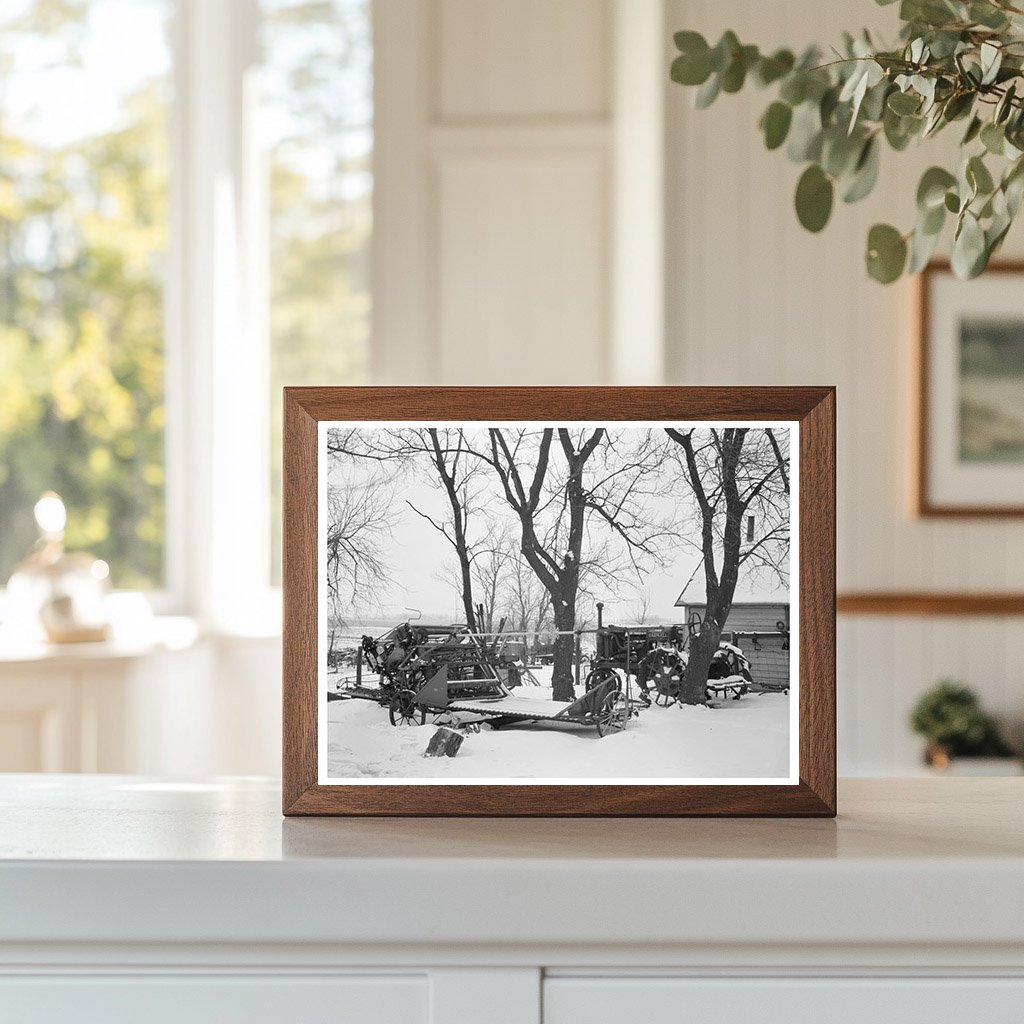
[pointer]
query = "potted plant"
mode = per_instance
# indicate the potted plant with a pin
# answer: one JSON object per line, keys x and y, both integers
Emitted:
{"x": 950, "y": 718}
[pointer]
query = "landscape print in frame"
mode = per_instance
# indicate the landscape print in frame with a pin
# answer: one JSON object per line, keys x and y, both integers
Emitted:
{"x": 970, "y": 444}
{"x": 518, "y": 614}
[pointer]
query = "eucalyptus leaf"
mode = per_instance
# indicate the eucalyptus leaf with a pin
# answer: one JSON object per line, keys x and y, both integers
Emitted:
{"x": 958, "y": 105}
{"x": 865, "y": 173}
{"x": 978, "y": 176}
{"x": 771, "y": 69}
{"x": 991, "y": 60}
{"x": 931, "y": 190}
{"x": 973, "y": 130}
{"x": 735, "y": 74}
{"x": 840, "y": 152}
{"x": 933, "y": 122}
{"x": 1014, "y": 192}
{"x": 827, "y": 106}
{"x": 932, "y": 221}
{"x": 900, "y": 130}
{"x": 775, "y": 124}
{"x": 794, "y": 88}
{"x": 1013, "y": 187}
{"x": 987, "y": 15}
{"x": 922, "y": 248}
{"x": 968, "y": 247}
{"x": 805, "y": 133}
{"x": 724, "y": 51}
{"x": 993, "y": 138}
{"x": 814, "y": 195}
{"x": 707, "y": 93}
{"x": 886, "y": 253}
{"x": 1005, "y": 105}
{"x": 688, "y": 69}
{"x": 904, "y": 103}
{"x": 873, "y": 106}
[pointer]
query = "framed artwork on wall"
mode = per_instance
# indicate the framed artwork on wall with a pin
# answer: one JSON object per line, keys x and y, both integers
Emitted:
{"x": 559, "y": 601}
{"x": 970, "y": 445}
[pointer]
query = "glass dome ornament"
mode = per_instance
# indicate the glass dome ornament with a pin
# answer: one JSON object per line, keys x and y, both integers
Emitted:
{"x": 56, "y": 595}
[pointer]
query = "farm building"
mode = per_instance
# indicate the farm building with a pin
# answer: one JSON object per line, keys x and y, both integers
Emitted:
{"x": 754, "y": 625}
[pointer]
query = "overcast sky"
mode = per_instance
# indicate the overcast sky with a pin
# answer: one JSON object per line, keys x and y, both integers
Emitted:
{"x": 418, "y": 554}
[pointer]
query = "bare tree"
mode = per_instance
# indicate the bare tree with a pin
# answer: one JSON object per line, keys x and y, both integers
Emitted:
{"x": 642, "y": 607}
{"x": 739, "y": 481}
{"x": 566, "y": 487}
{"x": 528, "y": 603}
{"x": 490, "y": 559}
{"x": 445, "y": 456}
{"x": 360, "y": 518}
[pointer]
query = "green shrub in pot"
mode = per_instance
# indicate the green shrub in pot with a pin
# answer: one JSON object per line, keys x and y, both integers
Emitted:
{"x": 950, "y": 717}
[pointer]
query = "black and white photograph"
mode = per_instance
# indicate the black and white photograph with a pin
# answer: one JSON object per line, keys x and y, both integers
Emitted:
{"x": 545, "y": 602}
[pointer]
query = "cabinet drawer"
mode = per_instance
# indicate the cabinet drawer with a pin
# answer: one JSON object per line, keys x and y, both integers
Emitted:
{"x": 668, "y": 1000}
{"x": 205, "y": 999}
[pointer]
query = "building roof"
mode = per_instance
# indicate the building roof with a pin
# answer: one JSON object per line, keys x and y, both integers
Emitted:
{"x": 747, "y": 592}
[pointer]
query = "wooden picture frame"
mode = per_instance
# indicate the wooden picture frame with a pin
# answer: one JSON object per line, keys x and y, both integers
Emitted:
{"x": 810, "y": 791}
{"x": 933, "y": 489}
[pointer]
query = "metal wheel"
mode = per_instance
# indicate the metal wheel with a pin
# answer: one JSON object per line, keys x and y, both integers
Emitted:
{"x": 666, "y": 673}
{"x": 598, "y": 676}
{"x": 405, "y": 711}
{"x": 613, "y": 714}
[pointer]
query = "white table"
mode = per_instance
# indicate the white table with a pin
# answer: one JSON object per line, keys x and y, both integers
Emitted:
{"x": 124, "y": 898}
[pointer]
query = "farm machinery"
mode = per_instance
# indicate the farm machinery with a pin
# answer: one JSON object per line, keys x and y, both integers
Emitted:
{"x": 448, "y": 669}
{"x": 656, "y": 657}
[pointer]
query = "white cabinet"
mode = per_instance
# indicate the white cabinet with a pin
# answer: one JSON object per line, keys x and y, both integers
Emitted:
{"x": 128, "y": 899}
{"x": 101, "y": 707}
{"x": 173, "y": 704}
{"x": 204, "y": 999}
{"x": 829, "y": 1000}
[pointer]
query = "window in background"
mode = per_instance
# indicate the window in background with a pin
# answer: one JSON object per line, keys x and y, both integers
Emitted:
{"x": 318, "y": 130}
{"x": 83, "y": 234}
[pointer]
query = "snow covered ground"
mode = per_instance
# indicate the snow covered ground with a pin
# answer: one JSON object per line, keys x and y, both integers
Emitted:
{"x": 748, "y": 738}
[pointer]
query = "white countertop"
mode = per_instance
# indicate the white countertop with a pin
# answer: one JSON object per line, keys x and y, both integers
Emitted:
{"x": 119, "y": 859}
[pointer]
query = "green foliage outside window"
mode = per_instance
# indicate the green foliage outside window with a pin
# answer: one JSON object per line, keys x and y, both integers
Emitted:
{"x": 83, "y": 245}
{"x": 83, "y": 216}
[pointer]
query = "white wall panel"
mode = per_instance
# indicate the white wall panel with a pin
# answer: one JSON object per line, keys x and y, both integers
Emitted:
{"x": 522, "y": 281}
{"x": 530, "y": 58}
{"x": 754, "y": 299}
{"x": 493, "y": 203}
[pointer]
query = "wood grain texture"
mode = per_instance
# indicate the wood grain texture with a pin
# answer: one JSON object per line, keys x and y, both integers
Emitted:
{"x": 923, "y": 503}
{"x": 299, "y": 589}
{"x": 925, "y": 603}
{"x": 812, "y": 407}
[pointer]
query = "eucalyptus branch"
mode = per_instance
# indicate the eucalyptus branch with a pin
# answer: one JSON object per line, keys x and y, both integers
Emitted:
{"x": 956, "y": 61}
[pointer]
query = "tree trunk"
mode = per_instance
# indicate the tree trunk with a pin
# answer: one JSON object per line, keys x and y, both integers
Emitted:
{"x": 460, "y": 544}
{"x": 702, "y": 650}
{"x": 562, "y": 671}
{"x": 444, "y": 743}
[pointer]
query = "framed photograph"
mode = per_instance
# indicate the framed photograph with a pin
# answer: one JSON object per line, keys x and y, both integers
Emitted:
{"x": 559, "y": 601}
{"x": 970, "y": 450}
